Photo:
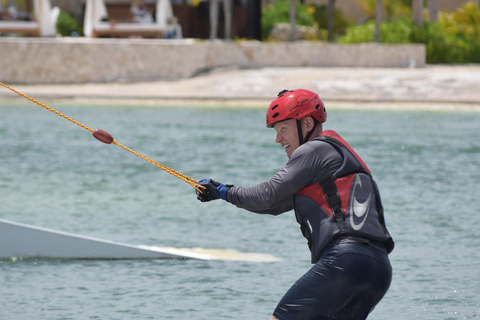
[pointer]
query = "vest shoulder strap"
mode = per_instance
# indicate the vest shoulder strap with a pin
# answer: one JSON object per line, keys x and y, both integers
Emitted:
{"x": 333, "y": 199}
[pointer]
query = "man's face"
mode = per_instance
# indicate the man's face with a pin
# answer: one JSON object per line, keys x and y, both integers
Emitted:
{"x": 287, "y": 135}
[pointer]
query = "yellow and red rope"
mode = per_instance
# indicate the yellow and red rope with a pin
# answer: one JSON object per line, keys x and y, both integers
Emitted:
{"x": 106, "y": 138}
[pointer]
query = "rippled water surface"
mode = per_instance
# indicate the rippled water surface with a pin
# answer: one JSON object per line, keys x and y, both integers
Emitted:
{"x": 53, "y": 174}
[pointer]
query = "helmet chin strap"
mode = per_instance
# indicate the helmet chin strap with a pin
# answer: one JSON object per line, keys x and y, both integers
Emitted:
{"x": 309, "y": 134}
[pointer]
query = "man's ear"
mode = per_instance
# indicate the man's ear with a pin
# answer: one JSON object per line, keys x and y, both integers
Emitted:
{"x": 308, "y": 124}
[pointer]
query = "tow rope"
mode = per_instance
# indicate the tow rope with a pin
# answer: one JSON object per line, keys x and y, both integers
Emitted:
{"x": 105, "y": 137}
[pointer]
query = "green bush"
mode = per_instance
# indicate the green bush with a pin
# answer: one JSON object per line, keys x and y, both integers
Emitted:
{"x": 443, "y": 47}
{"x": 278, "y": 12}
{"x": 464, "y": 21}
{"x": 67, "y": 25}
{"x": 455, "y": 38}
{"x": 359, "y": 33}
{"x": 391, "y": 9}
{"x": 340, "y": 22}
{"x": 398, "y": 31}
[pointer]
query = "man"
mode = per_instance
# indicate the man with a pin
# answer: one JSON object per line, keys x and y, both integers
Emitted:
{"x": 337, "y": 205}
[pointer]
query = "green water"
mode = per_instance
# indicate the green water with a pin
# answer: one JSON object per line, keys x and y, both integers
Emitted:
{"x": 53, "y": 174}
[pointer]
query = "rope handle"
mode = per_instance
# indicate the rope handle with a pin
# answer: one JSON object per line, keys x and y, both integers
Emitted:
{"x": 105, "y": 137}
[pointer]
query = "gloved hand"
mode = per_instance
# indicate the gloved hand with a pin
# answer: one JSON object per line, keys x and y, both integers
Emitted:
{"x": 214, "y": 190}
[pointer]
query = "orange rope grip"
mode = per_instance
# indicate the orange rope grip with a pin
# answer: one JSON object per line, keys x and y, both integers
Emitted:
{"x": 105, "y": 137}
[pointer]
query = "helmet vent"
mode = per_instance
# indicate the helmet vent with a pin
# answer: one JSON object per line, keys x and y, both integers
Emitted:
{"x": 274, "y": 107}
{"x": 317, "y": 106}
{"x": 275, "y": 115}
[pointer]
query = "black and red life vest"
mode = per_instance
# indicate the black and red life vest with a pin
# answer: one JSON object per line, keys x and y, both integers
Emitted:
{"x": 345, "y": 204}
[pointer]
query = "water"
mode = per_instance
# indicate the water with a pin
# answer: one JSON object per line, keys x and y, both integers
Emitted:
{"x": 53, "y": 174}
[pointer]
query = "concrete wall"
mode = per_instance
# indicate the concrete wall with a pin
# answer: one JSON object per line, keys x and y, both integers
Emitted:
{"x": 81, "y": 60}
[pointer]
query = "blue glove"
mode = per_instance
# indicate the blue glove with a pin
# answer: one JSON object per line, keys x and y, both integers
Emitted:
{"x": 214, "y": 190}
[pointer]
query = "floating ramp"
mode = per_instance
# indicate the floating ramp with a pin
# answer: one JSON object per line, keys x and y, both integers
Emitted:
{"x": 25, "y": 241}
{"x": 21, "y": 241}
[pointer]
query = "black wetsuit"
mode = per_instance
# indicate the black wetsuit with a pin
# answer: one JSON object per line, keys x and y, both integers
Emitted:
{"x": 352, "y": 271}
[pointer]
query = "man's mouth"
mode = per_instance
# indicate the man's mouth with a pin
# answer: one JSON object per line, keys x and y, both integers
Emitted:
{"x": 286, "y": 146}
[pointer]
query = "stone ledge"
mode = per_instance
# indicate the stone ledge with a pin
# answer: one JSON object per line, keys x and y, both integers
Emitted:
{"x": 82, "y": 60}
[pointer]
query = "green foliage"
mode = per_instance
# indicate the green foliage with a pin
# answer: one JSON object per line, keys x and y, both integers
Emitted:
{"x": 340, "y": 22}
{"x": 465, "y": 21}
{"x": 67, "y": 25}
{"x": 455, "y": 38}
{"x": 359, "y": 33}
{"x": 449, "y": 47}
{"x": 398, "y": 31}
{"x": 391, "y": 9}
{"x": 278, "y": 12}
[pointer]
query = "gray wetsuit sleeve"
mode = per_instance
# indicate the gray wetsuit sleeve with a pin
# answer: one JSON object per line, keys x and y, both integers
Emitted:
{"x": 308, "y": 164}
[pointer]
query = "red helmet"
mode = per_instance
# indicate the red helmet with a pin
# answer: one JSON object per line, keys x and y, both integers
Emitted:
{"x": 296, "y": 104}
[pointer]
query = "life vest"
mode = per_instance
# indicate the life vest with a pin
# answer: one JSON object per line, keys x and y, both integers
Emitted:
{"x": 345, "y": 204}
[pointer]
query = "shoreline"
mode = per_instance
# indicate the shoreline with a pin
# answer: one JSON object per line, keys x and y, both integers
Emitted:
{"x": 253, "y": 103}
{"x": 435, "y": 87}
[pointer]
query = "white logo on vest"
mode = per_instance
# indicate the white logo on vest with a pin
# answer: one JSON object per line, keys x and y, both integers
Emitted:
{"x": 359, "y": 209}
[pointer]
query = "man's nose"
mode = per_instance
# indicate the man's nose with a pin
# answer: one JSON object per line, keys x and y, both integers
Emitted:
{"x": 278, "y": 138}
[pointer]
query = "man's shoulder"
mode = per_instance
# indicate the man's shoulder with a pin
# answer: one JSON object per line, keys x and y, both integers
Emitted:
{"x": 315, "y": 147}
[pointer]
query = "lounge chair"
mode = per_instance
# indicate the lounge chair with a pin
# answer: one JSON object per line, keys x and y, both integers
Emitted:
{"x": 97, "y": 22}
{"x": 45, "y": 24}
